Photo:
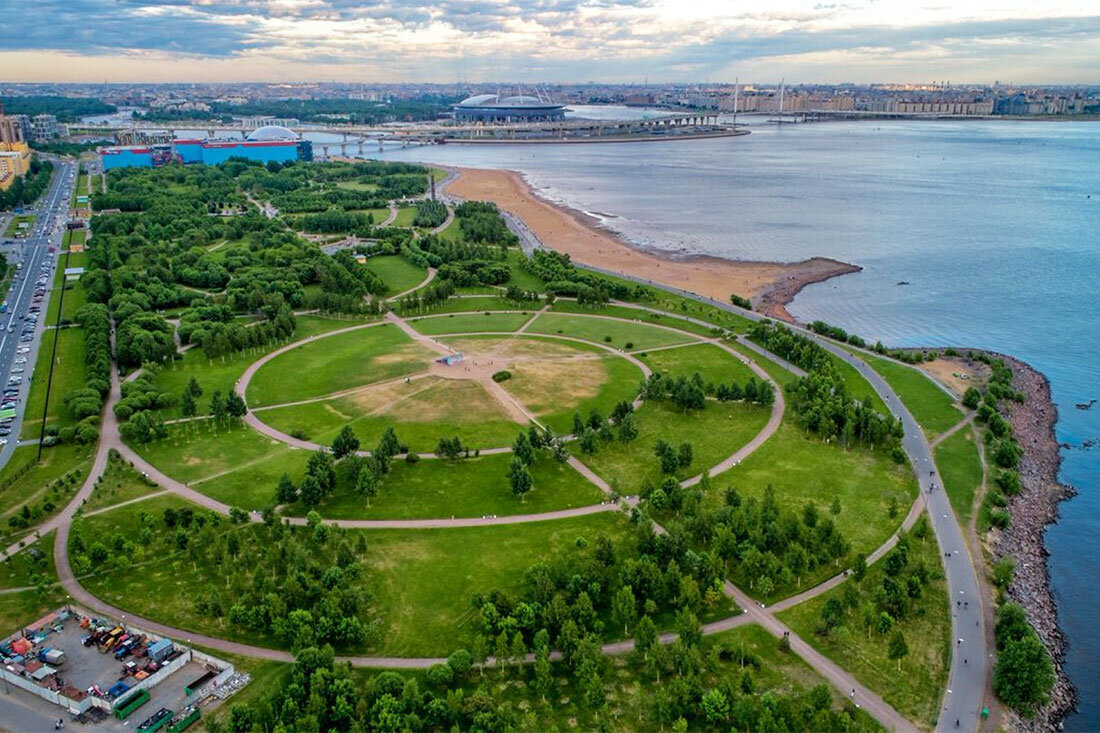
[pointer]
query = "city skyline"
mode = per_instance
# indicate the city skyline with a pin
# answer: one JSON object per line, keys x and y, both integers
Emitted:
{"x": 609, "y": 41}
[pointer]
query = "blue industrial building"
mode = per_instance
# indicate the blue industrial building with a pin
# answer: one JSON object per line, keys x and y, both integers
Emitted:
{"x": 265, "y": 144}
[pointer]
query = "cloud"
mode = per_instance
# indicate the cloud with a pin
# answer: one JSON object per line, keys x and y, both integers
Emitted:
{"x": 556, "y": 39}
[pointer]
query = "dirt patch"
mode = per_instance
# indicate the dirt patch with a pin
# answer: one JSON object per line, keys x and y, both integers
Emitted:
{"x": 446, "y": 400}
{"x": 546, "y": 385}
{"x": 337, "y": 413}
{"x": 514, "y": 349}
{"x": 957, "y": 373}
{"x": 374, "y": 399}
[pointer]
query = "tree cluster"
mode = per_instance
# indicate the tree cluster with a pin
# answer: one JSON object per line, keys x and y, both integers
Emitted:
{"x": 1023, "y": 674}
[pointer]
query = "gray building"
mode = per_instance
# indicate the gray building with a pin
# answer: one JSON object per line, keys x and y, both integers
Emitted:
{"x": 45, "y": 127}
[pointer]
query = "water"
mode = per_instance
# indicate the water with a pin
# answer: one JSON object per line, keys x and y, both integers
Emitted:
{"x": 995, "y": 225}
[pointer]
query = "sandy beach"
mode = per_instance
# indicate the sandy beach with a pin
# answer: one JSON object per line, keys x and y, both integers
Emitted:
{"x": 770, "y": 285}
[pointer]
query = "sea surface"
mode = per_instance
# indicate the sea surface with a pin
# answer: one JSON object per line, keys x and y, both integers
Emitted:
{"x": 994, "y": 226}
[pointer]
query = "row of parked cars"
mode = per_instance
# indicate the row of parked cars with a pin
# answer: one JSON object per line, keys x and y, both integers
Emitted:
{"x": 9, "y": 400}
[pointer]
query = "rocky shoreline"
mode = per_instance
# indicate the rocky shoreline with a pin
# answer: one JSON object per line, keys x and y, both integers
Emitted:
{"x": 773, "y": 301}
{"x": 1035, "y": 507}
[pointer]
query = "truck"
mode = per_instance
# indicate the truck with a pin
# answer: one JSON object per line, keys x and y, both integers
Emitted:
{"x": 53, "y": 657}
{"x": 159, "y": 650}
{"x": 108, "y": 642}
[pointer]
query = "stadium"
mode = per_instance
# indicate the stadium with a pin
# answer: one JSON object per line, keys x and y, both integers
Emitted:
{"x": 515, "y": 108}
{"x": 271, "y": 143}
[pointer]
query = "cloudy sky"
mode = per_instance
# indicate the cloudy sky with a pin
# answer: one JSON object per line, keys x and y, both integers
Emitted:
{"x": 1022, "y": 41}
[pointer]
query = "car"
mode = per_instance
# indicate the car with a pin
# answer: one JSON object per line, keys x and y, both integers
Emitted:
{"x": 3, "y": 441}
{"x": 21, "y": 360}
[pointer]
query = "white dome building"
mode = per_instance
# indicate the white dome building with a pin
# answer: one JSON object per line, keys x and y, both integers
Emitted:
{"x": 271, "y": 133}
{"x": 513, "y": 108}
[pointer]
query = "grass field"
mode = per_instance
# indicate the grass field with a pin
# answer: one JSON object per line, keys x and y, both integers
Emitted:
{"x": 960, "y": 468}
{"x": 20, "y": 570}
{"x": 221, "y": 373}
{"x": 421, "y": 411}
{"x": 357, "y": 186}
{"x": 631, "y": 336}
{"x": 776, "y": 372}
{"x": 804, "y": 469}
{"x": 28, "y": 606}
{"x": 472, "y": 305}
{"x": 74, "y": 292}
{"x": 714, "y": 433}
{"x": 337, "y": 363}
{"x": 405, "y": 216}
{"x": 520, "y": 277}
{"x": 857, "y": 385}
{"x": 398, "y": 274}
{"x": 914, "y": 689}
{"x": 555, "y": 378}
{"x": 423, "y": 580}
{"x": 32, "y": 487}
{"x": 633, "y": 314}
{"x": 119, "y": 483}
{"x": 196, "y": 450}
{"x": 471, "y": 487}
{"x": 933, "y": 408}
{"x": 471, "y": 323}
{"x": 712, "y": 363}
{"x": 68, "y": 375}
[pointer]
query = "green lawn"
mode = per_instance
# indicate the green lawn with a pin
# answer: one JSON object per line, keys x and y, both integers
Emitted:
{"x": 520, "y": 277}
{"x": 420, "y": 581}
{"x": 804, "y": 469}
{"x": 398, "y": 274}
{"x": 405, "y": 216}
{"x": 778, "y": 373}
{"x": 633, "y": 314}
{"x": 68, "y": 375}
{"x": 960, "y": 468}
{"x": 74, "y": 293}
{"x": 422, "y": 412}
{"x": 119, "y": 483}
{"x": 931, "y": 406}
{"x": 196, "y": 450}
{"x": 711, "y": 362}
{"x": 357, "y": 186}
{"x": 31, "y": 564}
{"x": 714, "y": 433}
{"x": 32, "y": 484}
{"x": 916, "y": 689}
{"x": 471, "y": 305}
{"x": 222, "y": 373}
{"x": 423, "y": 580}
{"x": 631, "y": 336}
{"x": 857, "y": 385}
{"x": 17, "y": 609}
{"x": 252, "y": 486}
{"x": 470, "y": 487}
{"x": 337, "y": 363}
{"x": 471, "y": 323}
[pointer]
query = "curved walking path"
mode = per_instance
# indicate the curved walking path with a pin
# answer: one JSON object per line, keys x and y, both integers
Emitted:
{"x": 446, "y": 222}
{"x": 110, "y": 438}
{"x": 430, "y": 276}
{"x": 392, "y": 215}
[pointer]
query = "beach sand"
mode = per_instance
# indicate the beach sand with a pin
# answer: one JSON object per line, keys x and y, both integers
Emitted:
{"x": 770, "y": 285}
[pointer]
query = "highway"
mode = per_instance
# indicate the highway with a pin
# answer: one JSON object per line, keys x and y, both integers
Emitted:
{"x": 32, "y": 254}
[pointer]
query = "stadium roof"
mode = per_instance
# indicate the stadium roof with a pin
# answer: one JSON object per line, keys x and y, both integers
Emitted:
{"x": 271, "y": 133}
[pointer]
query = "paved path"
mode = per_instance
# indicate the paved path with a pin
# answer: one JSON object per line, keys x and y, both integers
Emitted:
{"x": 954, "y": 428}
{"x": 446, "y": 222}
{"x": 392, "y": 215}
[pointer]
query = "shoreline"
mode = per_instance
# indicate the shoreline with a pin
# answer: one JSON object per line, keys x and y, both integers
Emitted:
{"x": 774, "y": 286}
{"x": 587, "y": 240}
{"x": 582, "y": 140}
{"x": 1033, "y": 510}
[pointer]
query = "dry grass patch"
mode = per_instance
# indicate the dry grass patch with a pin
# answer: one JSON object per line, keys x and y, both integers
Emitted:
{"x": 547, "y": 386}
{"x": 447, "y": 400}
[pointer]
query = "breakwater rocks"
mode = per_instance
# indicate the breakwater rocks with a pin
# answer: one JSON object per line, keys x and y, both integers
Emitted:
{"x": 1032, "y": 510}
{"x": 774, "y": 299}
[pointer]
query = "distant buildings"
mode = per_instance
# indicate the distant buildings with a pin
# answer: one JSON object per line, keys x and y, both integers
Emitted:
{"x": 46, "y": 127}
{"x": 15, "y": 160}
{"x": 11, "y": 128}
{"x": 266, "y": 144}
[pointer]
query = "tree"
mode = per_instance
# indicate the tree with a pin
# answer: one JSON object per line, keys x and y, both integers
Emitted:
{"x": 715, "y": 706}
{"x": 522, "y": 449}
{"x": 666, "y": 454}
{"x": 832, "y": 614}
{"x": 1023, "y": 675}
{"x": 544, "y": 677}
{"x": 193, "y": 388}
{"x": 217, "y": 406}
{"x": 627, "y": 427}
{"x": 388, "y": 445}
{"x": 645, "y": 636}
{"x": 366, "y": 483}
{"x": 311, "y": 491}
{"x": 971, "y": 398}
{"x": 624, "y": 608}
{"x": 519, "y": 478}
{"x": 685, "y": 455}
{"x": 235, "y": 406}
{"x": 187, "y": 405}
{"x": 285, "y": 491}
{"x": 345, "y": 443}
{"x": 859, "y": 567}
{"x": 897, "y": 648}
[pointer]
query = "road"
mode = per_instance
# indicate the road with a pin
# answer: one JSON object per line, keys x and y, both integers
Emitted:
{"x": 51, "y": 213}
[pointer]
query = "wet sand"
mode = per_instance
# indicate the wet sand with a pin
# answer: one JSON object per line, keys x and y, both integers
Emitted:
{"x": 770, "y": 285}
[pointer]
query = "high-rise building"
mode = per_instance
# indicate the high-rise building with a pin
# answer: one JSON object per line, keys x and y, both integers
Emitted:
{"x": 11, "y": 128}
{"x": 45, "y": 127}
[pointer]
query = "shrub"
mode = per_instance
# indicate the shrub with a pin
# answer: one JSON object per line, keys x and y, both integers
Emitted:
{"x": 502, "y": 376}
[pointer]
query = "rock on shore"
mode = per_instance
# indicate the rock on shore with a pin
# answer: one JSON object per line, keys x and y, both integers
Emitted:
{"x": 1032, "y": 510}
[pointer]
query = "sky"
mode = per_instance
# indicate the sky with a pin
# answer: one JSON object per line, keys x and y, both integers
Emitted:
{"x": 627, "y": 41}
